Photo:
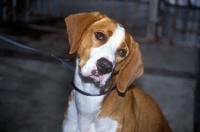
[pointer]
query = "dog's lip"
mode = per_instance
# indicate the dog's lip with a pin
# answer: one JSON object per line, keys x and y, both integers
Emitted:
{"x": 97, "y": 75}
{"x": 97, "y": 78}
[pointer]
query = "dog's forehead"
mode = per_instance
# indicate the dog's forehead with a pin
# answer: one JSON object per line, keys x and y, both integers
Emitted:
{"x": 105, "y": 23}
{"x": 112, "y": 44}
{"x": 107, "y": 20}
{"x": 115, "y": 31}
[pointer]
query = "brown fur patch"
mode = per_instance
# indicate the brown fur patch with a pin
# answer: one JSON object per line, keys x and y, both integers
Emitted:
{"x": 134, "y": 111}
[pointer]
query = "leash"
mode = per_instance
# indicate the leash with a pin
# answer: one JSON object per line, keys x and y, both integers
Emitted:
{"x": 63, "y": 61}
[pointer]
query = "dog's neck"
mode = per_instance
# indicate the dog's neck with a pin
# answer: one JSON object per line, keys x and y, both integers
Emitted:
{"x": 88, "y": 107}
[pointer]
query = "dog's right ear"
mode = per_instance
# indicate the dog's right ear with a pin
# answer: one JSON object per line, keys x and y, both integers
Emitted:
{"x": 77, "y": 24}
{"x": 132, "y": 67}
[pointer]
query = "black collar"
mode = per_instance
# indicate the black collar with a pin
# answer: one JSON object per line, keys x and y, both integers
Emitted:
{"x": 88, "y": 94}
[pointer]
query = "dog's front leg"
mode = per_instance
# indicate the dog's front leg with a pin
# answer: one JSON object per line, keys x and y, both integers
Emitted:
{"x": 71, "y": 119}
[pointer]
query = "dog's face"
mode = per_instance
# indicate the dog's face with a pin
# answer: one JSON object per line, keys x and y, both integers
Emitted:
{"x": 103, "y": 47}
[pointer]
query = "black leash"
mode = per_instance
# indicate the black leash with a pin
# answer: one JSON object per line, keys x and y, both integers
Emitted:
{"x": 63, "y": 61}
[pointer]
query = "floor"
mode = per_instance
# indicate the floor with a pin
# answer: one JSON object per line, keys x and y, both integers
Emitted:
{"x": 34, "y": 91}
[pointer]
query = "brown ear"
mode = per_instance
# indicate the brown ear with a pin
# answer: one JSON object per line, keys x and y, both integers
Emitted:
{"x": 77, "y": 24}
{"x": 132, "y": 67}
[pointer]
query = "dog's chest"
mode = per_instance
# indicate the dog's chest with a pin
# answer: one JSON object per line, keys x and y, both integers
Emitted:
{"x": 88, "y": 104}
{"x": 88, "y": 109}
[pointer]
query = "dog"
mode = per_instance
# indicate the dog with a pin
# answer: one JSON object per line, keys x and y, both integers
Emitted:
{"x": 108, "y": 61}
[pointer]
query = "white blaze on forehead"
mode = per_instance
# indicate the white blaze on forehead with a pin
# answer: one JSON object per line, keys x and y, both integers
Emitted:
{"x": 116, "y": 39}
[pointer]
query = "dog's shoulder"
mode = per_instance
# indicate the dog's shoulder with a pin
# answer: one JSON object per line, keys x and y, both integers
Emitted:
{"x": 140, "y": 97}
{"x": 142, "y": 101}
{"x": 147, "y": 111}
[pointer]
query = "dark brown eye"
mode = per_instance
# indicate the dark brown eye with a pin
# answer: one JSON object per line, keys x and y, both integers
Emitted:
{"x": 122, "y": 52}
{"x": 100, "y": 36}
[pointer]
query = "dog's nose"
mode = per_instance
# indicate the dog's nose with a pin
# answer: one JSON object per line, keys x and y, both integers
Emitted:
{"x": 104, "y": 66}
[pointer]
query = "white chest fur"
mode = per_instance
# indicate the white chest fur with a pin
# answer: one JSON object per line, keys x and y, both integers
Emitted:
{"x": 82, "y": 116}
{"x": 88, "y": 109}
{"x": 83, "y": 111}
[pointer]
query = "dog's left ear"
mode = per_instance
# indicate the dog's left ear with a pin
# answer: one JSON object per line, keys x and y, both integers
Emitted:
{"x": 132, "y": 66}
{"x": 77, "y": 24}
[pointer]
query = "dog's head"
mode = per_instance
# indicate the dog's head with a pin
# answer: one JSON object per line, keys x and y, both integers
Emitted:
{"x": 103, "y": 48}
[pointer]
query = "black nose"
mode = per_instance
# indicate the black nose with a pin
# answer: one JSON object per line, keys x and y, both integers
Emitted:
{"x": 104, "y": 66}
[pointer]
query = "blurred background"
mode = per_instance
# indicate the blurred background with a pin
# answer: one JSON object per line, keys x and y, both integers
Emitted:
{"x": 34, "y": 88}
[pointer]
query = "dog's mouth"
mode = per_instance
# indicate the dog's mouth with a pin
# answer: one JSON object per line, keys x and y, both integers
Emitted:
{"x": 98, "y": 79}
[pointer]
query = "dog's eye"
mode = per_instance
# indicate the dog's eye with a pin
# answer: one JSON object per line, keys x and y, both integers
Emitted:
{"x": 100, "y": 36}
{"x": 122, "y": 52}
